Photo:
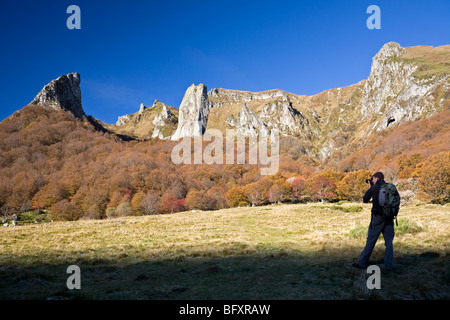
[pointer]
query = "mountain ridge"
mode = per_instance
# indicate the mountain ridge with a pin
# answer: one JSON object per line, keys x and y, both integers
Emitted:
{"x": 79, "y": 167}
{"x": 404, "y": 84}
{"x": 400, "y": 95}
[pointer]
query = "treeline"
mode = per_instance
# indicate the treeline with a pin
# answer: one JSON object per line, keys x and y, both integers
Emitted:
{"x": 51, "y": 162}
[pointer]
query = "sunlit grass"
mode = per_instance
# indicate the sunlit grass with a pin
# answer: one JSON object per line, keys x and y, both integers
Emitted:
{"x": 298, "y": 251}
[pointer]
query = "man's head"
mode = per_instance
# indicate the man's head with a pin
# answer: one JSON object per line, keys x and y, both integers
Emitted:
{"x": 377, "y": 176}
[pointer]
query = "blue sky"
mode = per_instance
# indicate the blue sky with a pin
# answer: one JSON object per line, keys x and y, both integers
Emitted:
{"x": 129, "y": 52}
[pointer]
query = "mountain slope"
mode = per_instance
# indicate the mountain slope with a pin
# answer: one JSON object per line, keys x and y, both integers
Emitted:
{"x": 157, "y": 121}
{"x": 405, "y": 84}
{"x": 64, "y": 93}
{"x": 55, "y": 158}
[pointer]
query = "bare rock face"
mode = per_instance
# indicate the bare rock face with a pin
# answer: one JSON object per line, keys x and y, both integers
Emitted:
{"x": 280, "y": 115}
{"x": 393, "y": 91}
{"x": 227, "y": 97}
{"x": 142, "y": 108}
{"x": 248, "y": 124}
{"x": 386, "y": 79}
{"x": 193, "y": 113}
{"x": 160, "y": 121}
{"x": 64, "y": 93}
{"x": 123, "y": 119}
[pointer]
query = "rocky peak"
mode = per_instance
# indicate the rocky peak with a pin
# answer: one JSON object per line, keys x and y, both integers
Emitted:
{"x": 280, "y": 114}
{"x": 162, "y": 120}
{"x": 64, "y": 93}
{"x": 142, "y": 108}
{"x": 392, "y": 91}
{"x": 164, "y": 115}
{"x": 390, "y": 49}
{"x": 387, "y": 77}
{"x": 193, "y": 112}
{"x": 121, "y": 120}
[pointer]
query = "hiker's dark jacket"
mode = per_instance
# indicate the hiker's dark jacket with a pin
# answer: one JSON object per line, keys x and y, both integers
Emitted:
{"x": 373, "y": 193}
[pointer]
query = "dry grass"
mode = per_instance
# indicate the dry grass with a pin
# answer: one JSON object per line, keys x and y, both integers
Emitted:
{"x": 431, "y": 61}
{"x": 142, "y": 125}
{"x": 273, "y": 252}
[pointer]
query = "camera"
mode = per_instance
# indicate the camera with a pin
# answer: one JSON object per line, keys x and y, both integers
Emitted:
{"x": 370, "y": 181}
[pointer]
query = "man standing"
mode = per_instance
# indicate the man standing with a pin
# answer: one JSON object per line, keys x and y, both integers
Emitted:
{"x": 378, "y": 224}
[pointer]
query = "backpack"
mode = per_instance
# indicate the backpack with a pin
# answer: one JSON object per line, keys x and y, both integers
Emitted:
{"x": 389, "y": 201}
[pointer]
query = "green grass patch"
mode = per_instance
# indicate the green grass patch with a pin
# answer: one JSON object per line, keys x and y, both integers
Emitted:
{"x": 34, "y": 216}
{"x": 404, "y": 227}
{"x": 348, "y": 209}
{"x": 358, "y": 232}
{"x": 341, "y": 208}
{"x": 427, "y": 68}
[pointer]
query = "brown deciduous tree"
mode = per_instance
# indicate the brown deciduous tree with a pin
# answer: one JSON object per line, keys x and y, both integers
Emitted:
{"x": 320, "y": 188}
{"x": 353, "y": 186}
{"x": 280, "y": 191}
{"x": 298, "y": 189}
{"x": 150, "y": 203}
{"x": 236, "y": 197}
{"x": 65, "y": 210}
{"x": 434, "y": 177}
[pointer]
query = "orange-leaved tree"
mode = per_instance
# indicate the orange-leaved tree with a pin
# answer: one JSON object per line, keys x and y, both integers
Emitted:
{"x": 353, "y": 186}
{"x": 434, "y": 177}
{"x": 236, "y": 197}
{"x": 319, "y": 187}
{"x": 297, "y": 189}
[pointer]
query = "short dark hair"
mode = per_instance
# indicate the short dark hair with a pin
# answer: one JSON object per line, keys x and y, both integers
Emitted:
{"x": 379, "y": 175}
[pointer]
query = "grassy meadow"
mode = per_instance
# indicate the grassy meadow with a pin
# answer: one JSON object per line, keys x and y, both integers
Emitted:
{"x": 291, "y": 251}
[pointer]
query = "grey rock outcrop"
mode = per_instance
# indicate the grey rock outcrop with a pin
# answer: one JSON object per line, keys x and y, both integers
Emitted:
{"x": 280, "y": 115}
{"x": 160, "y": 121}
{"x": 248, "y": 124}
{"x": 392, "y": 90}
{"x": 386, "y": 79}
{"x": 233, "y": 96}
{"x": 64, "y": 93}
{"x": 142, "y": 108}
{"x": 193, "y": 113}
{"x": 123, "y": 119}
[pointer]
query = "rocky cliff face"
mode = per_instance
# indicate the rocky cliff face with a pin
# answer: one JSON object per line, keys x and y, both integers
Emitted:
{"x": 163, "y": 120}
{"x": 248, "y": 124}
{"x": 394, "y": 90}
{"x": 193, "y": 113}
{"x": 275, "y": 114}
{"x": 123, "y": 120}
{"x": 405, "y": 84}
{"x": 386, "y": 79}
{"x": 281, "y": 115}
{"x": 222, "y": 97}
{"x": 157, "y": 121}
{"x": 253, "y": 112}
{"x": 64, "y": 93}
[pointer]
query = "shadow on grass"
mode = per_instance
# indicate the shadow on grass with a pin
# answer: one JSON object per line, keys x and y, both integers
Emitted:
{"x": 256, "y": 276}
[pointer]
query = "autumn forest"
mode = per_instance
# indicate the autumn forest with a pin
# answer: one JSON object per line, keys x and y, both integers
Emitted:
{"x": 62, "y": 168}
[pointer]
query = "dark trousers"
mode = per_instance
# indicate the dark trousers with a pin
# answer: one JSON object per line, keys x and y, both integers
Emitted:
{"x": 379, "y": 225}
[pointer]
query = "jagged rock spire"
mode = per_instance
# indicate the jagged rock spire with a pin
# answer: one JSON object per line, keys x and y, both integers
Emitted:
{"x": 64, "y": 93}
{"x": 194, "y": 111}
